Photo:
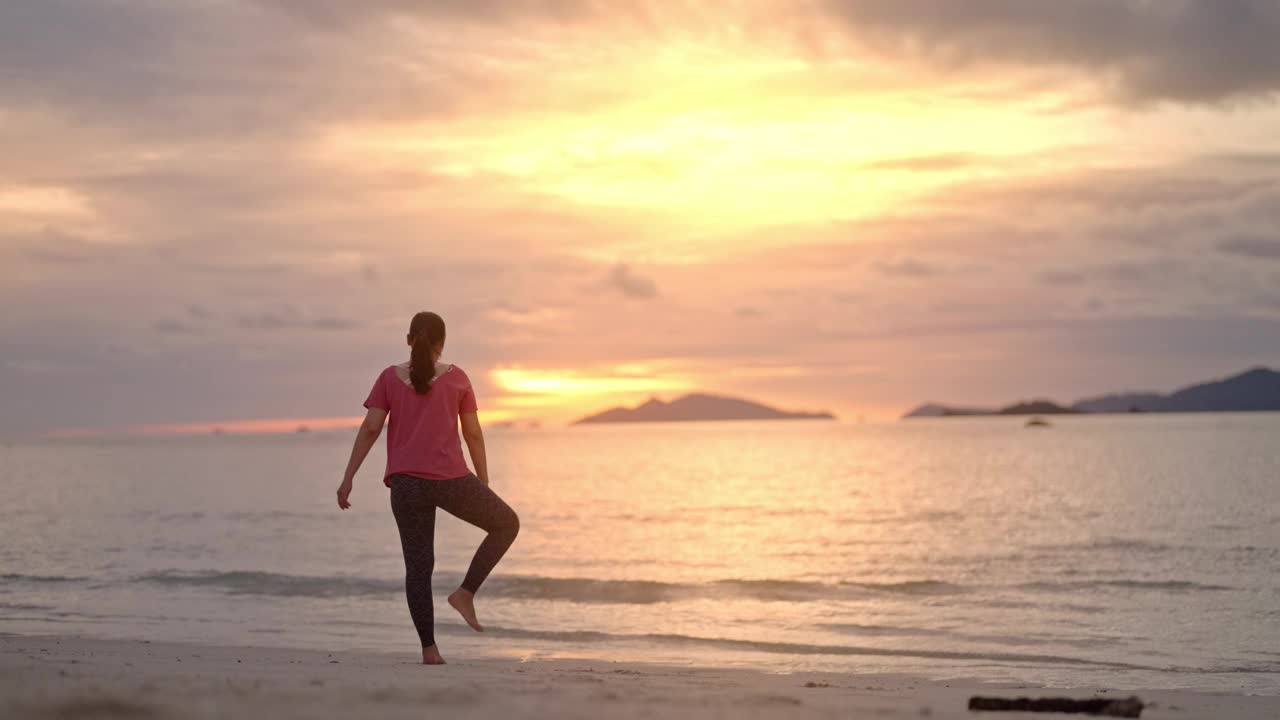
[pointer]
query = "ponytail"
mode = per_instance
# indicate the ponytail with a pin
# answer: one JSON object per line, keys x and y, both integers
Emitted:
{"x": 422, "y": 365}
{"x": 426, "y": 333}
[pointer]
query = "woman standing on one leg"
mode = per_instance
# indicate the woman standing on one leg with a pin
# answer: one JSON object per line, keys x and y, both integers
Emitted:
{"x": 425, "y": 470}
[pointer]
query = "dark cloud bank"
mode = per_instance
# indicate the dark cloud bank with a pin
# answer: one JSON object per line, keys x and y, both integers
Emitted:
{"x": 1180, "y": 50}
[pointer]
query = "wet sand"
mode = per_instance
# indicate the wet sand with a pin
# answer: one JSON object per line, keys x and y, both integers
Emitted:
{"x": 66, "y": 677}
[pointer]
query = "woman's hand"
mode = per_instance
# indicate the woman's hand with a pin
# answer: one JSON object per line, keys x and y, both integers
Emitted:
{"x": 366, "y": 436}
{"x": 344, "y": 492}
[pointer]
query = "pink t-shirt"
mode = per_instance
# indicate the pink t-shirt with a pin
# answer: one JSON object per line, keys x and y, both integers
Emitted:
{"x": 422, "y": 433}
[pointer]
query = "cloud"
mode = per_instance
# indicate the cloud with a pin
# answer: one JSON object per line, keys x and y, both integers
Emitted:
{"x": 1252, "y": 246}
{"x": 179, "y": 72}
{"x": 1060, "y": 277}
{"x": 288, "y": 317}
{"x": 1194, "y": 51}
{"x": 200, "y": 319}
{"x": 1158, "y": 270}
{"x": 54, "y": 247}
{"x": 196, "y": 318}
{"x": 1083, "y": 244}
{"x": 339, "y": 13}
{"x": 906, "y": 267}
{"x": 170, "y": 326}
{"x": 939, "y": 162}
{"x": 623, "y": 279}
{"x": 199, "y": 312}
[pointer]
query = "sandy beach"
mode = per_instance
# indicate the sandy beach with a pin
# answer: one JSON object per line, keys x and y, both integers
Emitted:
{"x": 67, "y": 677}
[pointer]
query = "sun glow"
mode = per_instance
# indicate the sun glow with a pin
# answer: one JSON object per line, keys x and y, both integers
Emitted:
{"x": 707, "y": 150}
{"x": 562, "y": 394}
{"x": 717, "y": 169}
{"x": 576, "y": 383}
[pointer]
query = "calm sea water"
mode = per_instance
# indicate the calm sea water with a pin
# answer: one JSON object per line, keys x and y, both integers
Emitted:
{"x": 1118, "y": 552}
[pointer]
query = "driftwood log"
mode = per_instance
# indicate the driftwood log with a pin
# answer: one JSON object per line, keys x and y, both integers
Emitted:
{"x": 1126, "y": 708}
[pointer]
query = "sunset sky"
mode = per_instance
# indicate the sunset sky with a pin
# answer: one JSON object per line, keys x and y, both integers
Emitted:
{"x": 227, "y": 210}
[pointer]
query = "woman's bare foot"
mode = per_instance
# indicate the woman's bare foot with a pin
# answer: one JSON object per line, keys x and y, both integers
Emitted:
{"x": 463, "y": 601}
{"x": 431, "y": 656}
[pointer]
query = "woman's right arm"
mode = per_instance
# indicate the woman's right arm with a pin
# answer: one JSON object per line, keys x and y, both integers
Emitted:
{"x": 366, "y": 436}
{"x": 474, "y": 436}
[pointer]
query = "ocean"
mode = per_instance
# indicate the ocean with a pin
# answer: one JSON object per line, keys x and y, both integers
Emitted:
{"x": 1126, "y": 551}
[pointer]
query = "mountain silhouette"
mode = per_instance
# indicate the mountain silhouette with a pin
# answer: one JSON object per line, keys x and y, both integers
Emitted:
{"x": 1034, "y": 407}
{"x": 1121, "y": 403}
{"x": 1255, "y": 390}
{"x": 1037, "y": 407}
{"x": 698, "y": 407}
{"x": 935, "y": 410}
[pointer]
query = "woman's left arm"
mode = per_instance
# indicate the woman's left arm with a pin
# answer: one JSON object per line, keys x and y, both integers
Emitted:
{"x": 366, "y": 436}
{"x": 474, "y": 436}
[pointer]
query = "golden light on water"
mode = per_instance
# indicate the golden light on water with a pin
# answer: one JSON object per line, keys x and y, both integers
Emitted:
{"x": 266, "y": 426}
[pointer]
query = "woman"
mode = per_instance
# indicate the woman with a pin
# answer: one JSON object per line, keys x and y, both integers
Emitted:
{"x": 425, "y": 470}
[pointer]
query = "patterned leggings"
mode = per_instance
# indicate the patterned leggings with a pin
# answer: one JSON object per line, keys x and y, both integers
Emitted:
{"x": 414, "y": 502}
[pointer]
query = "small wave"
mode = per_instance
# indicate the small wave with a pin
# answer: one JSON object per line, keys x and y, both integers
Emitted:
{"x": 515, "y": 586}
{"x": 1178, "y": 585}
{"x": 911, "y": 587}
{"x": 618, "y": 592}
{"x": 856, "y": 542}
{"x": 1108, "y": 544}
{"x": 179, "y": 517}
{"x": 686, "y": 515}
{"x": 880, "y": 630}
{"x": 785, "y": 648}
{"x": 1084, "y": 641}
{"x": 1165, "y": 585}
{"x": 774, "y": 589}
{"x": 535, "y": 587}
{"x": 936, "y": 516}
{"x": 644, "y": 591}
{"x": 19, "y": 577}
{"x": 622, "y": 592}
{"x": 1260, "y": 668}
{"x": 1254, "y": 551}
{"x": 240, "y": 582}
{"x": 1058, "y": 604}
{"x": 23, "y": 606}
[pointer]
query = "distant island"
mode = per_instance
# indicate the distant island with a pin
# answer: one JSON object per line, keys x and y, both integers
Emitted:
{"x": 1256, "y": 390}
{"x": 1034, "y": 407}
{"x": 698, "y": 407}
